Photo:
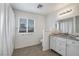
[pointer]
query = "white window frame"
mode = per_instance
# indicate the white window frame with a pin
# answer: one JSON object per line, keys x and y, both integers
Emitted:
{"x": 27, "y": 25}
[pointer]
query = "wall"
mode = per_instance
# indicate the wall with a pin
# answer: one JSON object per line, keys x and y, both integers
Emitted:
{"x": 74, "y": 12}
{"x": 29, "y": 39}
{"x": 49, "y": 27}
{"x": 52, "y": 19}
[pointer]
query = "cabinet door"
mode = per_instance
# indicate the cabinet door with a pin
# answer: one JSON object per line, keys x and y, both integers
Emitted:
{"x": 73, "y": 48}
{"x": 52, "y": 43}
{"x": 61, "y": 46}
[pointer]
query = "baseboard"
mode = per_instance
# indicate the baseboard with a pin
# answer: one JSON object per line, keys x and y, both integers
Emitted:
{"x": 27, "y": 46}
{"x": 45, "y": 49}
{"x": 55, "y": 52}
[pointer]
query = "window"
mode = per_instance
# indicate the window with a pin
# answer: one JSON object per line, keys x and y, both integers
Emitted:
{"x": 30, "y": 26}
{"x": 26, "y": 25}
{"x": 23, "y": 27}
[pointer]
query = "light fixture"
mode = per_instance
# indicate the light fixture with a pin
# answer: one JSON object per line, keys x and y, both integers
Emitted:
{"x": 65, "y": 12}
{"x": 39, "y": 6}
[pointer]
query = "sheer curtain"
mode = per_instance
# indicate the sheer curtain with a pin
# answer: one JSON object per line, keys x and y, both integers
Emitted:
{"x": 7, "y": 29}
{"x": 0, "y": 32}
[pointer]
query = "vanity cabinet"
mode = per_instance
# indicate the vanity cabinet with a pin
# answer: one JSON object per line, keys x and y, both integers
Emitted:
{"x": 65, "y": 46}
{"x": 61, "y": 45}
{"x": 58, "y": 44}
{"x": 72, "y": 48}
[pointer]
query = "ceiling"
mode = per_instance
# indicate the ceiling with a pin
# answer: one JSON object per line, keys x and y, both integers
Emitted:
{"x": 32, "y": 7}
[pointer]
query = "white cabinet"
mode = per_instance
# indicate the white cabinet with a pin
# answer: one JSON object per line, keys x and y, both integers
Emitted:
{"x": 61, "y": 45}
{"x": 58, "y": 44}
{"x": 52, "y": 42}
{"x": 72, "y": 48}
{"x": 69, "y": 47}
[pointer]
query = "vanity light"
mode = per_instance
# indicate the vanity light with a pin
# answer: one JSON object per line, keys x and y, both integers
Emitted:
{"x": 65, "y": 12}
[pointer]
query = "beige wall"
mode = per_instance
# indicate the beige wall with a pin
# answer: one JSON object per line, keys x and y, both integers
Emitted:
{"x": 74, "y": 12}
{"x": 29, "y": 39}
{"x": 52, "y": 19}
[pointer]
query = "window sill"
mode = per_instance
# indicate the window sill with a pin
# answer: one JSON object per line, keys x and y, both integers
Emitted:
{"x": 26, "y": 33}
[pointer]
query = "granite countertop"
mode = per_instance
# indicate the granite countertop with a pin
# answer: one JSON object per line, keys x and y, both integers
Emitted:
{"x": 66, "y": 36}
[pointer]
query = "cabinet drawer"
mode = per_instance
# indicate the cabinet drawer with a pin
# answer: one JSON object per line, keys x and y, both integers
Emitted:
{"x": 61, "y": 39}
{"x": 69, "y": 41}
{"x": 60, "y": 43}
